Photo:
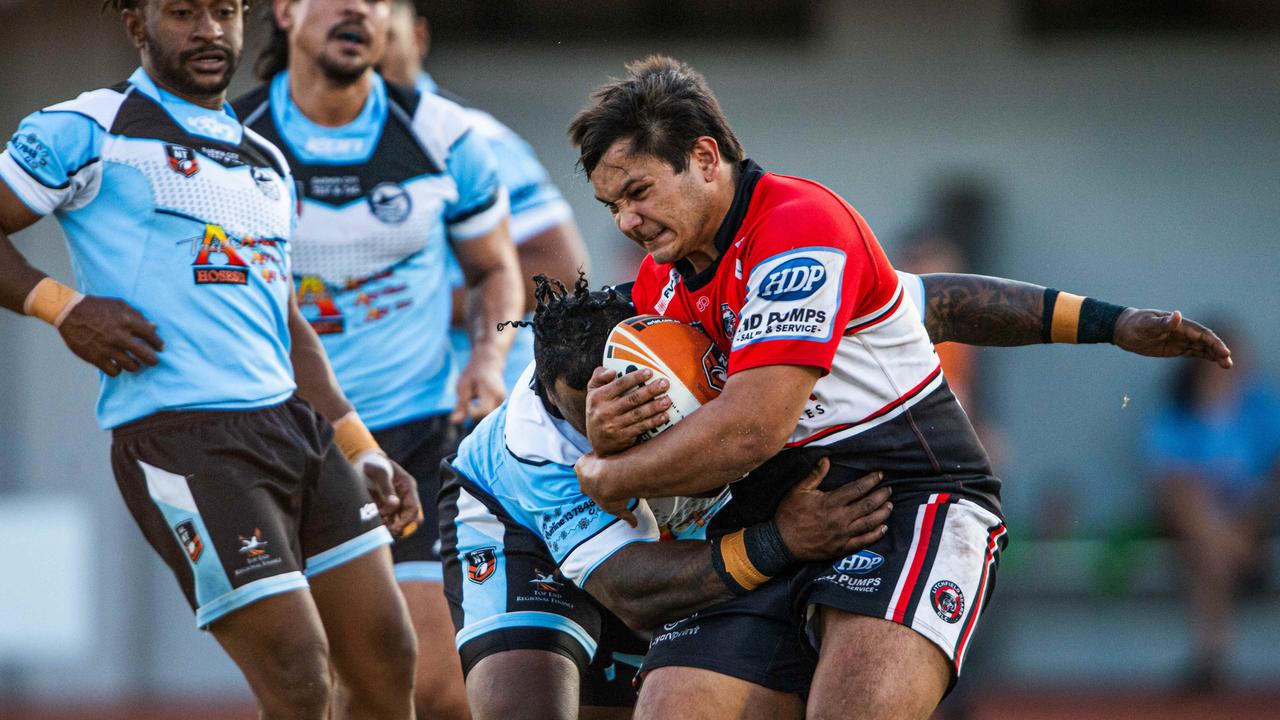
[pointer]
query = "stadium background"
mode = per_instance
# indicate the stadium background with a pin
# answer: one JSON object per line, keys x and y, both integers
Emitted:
{"x": 1131, "y": 157}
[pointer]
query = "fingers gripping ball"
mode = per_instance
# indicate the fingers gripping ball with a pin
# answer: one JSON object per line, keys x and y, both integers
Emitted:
{"x": 696, "y": 370}
{"x": 681, "y": 353}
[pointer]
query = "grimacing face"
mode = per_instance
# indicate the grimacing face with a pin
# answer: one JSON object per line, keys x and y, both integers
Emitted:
{"x": 343, "y": 37}
{"x": 190, "y": 47}
{"x": 666, "y": 213}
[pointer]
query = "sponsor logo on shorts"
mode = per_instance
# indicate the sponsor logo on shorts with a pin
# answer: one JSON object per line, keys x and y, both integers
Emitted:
{"x": 182, "y": 160}
{"x": 253, "y": 546}
{"x": 859, "y": 563}
{"x": 368, "y": 511}
{"x": 545, "y": 588}
{"x": 390, "y": 203}
{"x": 481, "y": 564}
{"x": 670, "y": 631}
{"x": 254, "y": 550}
{"x": 190, "y": 539}
{"x": 947, "y": 600}
{"x": 794, "y": 280}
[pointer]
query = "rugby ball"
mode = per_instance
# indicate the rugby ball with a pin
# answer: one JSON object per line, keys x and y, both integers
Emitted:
{"x": 681, "y": 353}
{"x": 696, "y": 370}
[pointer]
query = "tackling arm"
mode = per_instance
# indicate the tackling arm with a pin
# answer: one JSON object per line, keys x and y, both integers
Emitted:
{"x": 982, "y": 310}
{"x": 648, "y": 583}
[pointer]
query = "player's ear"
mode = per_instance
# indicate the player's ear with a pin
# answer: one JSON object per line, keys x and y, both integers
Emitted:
{"x": 135, "y": 23}
{"x": 282, "y": 10}
{"x": 705, "y": 157}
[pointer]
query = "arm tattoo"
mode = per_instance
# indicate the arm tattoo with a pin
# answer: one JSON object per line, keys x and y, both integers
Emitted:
{"x": 649, "y": 583}
{"x": 981, "y": 310}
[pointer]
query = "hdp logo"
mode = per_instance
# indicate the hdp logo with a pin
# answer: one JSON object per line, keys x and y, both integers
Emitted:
{"x": 794, "y": 280}
{"x": 859, "y": 563}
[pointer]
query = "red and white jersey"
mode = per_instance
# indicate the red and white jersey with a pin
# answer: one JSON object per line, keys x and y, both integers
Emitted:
{"x": 801, "y": 280}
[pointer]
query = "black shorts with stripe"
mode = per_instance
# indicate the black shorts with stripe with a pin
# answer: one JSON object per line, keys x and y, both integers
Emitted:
{"x": 933, "y": 572}
{"x": 243, "y": 505}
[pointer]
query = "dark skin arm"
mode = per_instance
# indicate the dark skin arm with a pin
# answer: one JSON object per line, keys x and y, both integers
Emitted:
{"x": 557, "y": 252}
{"x": 493, "y": 295}
{"x": 397, "y": 494}
{"x": 990, "y": 311}
{"x": 104, "y": 332}
{"x": 647, "y": 584}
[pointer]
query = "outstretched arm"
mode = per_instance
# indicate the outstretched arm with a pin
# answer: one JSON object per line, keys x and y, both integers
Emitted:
{"x": 648, "y": 583}
{"x": 982, "y": 310}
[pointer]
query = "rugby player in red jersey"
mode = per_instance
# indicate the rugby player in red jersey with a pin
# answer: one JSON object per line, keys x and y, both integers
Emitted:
{"x": 791, "y": 283}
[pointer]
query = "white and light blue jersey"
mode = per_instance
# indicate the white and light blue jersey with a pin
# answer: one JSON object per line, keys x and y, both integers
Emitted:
{"x": 381, "y": 199}
{"x": 523, "y": 457}
{"x": 183, "y": 213}
{"x": 536, "y": 207}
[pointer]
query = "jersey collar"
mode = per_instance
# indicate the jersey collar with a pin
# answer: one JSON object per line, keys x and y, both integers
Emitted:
{"x": 749, "y": 173}
{"x": 220, "y": 125}
{"x": 315, "y": 144}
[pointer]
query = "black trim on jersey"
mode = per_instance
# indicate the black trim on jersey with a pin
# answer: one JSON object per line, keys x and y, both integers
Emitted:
{"x": 141, "y": 117}
{"x": 526, "y": 461}
{"x": 398, "y": 156}
{"x": 406, "y": 97}
{"x": 121, "y": 87}
{"x": 749, "y": 173}
{"x": 70, "y": 174}
{"x": 477, "y": 210}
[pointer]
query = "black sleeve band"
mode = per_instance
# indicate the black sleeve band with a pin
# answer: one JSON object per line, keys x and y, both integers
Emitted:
{"x": 1046, "y": 317}
{"x": 1097, "y": 321}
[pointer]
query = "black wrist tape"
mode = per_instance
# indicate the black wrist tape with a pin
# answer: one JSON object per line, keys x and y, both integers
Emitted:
{"x": 766, "y": 549}
{"x": 1098, "y": 321}
{"x": 1046, "y": 317}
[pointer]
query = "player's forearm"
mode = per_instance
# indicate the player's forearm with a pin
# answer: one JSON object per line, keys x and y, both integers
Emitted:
{"x": 647, "y": 584}
{"x": 982, "y": 310}
{"x": 311, "y": 369}
{"x": 557, "y": 253}
{"x": 494, "y": 294}
{"x": 17, "y": 276}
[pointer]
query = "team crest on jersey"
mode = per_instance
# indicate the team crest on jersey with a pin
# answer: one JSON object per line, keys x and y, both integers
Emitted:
{"x": 728, "y": 320}
{"x": 715, "y": 366}
{"x": 390, "y": 203}
{"x": 481, "y": 564}
{"x": 265, "y": 179}
{"x": 190, "y": 539}
{"x": 947, "y": 600}
{"x": 182, "y": 160}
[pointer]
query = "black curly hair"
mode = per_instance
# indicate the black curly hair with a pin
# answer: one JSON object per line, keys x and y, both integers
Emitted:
{"x": 570, "y": 328}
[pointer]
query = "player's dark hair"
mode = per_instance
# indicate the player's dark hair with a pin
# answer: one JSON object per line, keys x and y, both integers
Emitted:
{"x": 570, "y": 328}
{"x": 274, "y": 57}
{"x": 121, "y": 5}
{"x": 662, "y": 106}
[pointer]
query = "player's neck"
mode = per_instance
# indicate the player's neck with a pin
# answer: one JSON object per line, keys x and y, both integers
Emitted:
{"x": 325, "y": 102}
{"x": 706, "y": 252}
{"x": 214, "y": 101}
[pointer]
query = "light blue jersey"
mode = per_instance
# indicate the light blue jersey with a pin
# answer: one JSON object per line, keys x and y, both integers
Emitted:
{"x": 523, "y": 457}
{"x": 183, "y": 213}
{"x": 536, "y": 207}
{"x": 382, "y": 198}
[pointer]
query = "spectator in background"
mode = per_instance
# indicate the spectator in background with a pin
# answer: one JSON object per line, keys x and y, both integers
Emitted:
{"x": 1214, "y": 455}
